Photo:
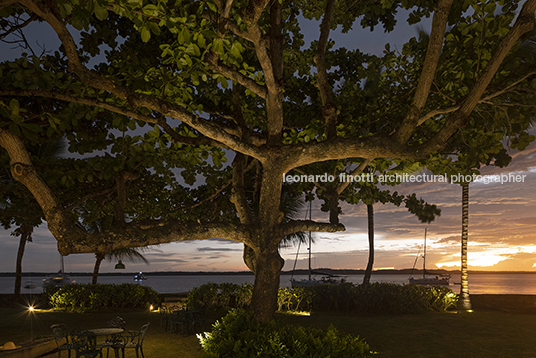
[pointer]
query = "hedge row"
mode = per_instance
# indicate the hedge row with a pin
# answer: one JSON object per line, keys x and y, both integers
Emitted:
{"x": 90, "y": 297}
{"x": 376, "y": 298}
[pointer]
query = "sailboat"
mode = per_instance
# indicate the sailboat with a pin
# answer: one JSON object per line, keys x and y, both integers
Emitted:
{"x": 437, "y": 280}
{"x": 312, "y": 281}
{"x": 61, "y": 279}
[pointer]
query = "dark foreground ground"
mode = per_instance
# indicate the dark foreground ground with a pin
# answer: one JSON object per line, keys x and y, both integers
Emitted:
{"x": 500, "y": 326}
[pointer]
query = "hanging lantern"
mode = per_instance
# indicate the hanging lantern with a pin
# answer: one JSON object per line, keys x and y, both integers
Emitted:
{"x": 120, "y": 265}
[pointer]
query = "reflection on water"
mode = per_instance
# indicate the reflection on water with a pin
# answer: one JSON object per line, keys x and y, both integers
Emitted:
{"x": 478, "y": 283}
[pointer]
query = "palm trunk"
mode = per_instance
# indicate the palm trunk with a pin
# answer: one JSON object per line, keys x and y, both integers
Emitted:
{"x": 464, "y": 303}
{"x": 24, "y": 237}
{"x": 368, "y": 271}
{"x": 99, "y": 257}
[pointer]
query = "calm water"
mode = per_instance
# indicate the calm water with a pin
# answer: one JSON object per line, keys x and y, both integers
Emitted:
{"x": 478, "y": 283}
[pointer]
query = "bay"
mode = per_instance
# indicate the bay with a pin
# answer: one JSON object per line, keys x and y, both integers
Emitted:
{"x": 490, "y": 283}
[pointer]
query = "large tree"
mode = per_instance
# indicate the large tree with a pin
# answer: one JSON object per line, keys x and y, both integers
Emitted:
{"x": 234, "y": 79}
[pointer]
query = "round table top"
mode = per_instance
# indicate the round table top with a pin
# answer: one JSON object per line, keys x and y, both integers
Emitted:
{"x": 105, "y": 331}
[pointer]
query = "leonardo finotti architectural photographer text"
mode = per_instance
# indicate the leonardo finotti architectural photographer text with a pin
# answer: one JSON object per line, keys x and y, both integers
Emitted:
{"x": 405, "y": 178}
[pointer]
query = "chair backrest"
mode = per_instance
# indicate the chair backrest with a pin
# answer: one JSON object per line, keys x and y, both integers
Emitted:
{"x": 83, "y": 338}
{"x": 59, "y": 331}
{"x": 143, "y": 330}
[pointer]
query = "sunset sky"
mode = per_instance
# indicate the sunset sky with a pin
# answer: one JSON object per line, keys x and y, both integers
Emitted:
{"x": 502, "y": 222}
{"x": 502, "y": 226}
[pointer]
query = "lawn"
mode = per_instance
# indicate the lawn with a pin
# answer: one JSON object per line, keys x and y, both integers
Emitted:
{"x": 478, "y": 334}
{"x": 17, "y": 326}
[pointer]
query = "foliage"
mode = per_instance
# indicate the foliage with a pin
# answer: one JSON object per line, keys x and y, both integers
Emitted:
{"x": 89, "y": 297}
{"x": 382, "y": 298}
{"x": 372, "y": 299}
{"x": 239, "y": 335}
{"x": 154, "y": 97}
{"x": 224, "y": 295}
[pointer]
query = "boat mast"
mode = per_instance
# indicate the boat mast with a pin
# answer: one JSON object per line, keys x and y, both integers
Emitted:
{"x": 424, "y": 256}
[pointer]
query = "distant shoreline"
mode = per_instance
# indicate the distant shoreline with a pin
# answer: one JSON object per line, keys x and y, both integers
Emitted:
{"x": 296, "y": 272}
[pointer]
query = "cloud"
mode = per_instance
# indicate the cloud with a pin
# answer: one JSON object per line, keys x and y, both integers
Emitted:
{"x": 218, "y": 249}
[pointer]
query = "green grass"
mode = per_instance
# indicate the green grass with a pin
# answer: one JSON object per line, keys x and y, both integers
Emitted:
{"x": 16, "y": 326}
{"x": 435, "y": 335}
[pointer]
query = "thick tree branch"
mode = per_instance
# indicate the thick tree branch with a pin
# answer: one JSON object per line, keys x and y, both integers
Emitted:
{"x": 72, "y": 239}
{"x": 329, "y": 110}
{"x": 308, "y": 225}
{"x": 433, "y": 53}
{"x": 252, "y": 13}
{"x": 177, "y": 138}
{"x": 366, "y": 148}
{"x": 238, "y": 196}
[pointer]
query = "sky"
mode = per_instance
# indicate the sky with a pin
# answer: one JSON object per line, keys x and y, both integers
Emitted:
{"x": 502, "y": 221}
{"x": 502, "y": 226}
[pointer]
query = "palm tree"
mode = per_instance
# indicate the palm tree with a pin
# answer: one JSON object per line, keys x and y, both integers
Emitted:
{"x": 464, "y": 302}
{"x": 370, "y": 264}
{"x": 129, "y": 254}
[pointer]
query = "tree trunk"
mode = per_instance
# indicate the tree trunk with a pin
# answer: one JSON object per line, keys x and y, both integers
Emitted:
{"x": 368, "y": 271}
{"x": 333, "y": 198}
{"x": 25, "y": 236}
{"x": 266, "y": 287}
{"x": 249, "y": 258}
{"x": 464, "y": 303}
{"x": 98, "y": 259}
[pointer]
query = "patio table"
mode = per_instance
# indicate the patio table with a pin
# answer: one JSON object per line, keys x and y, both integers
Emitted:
{"x": 108, "y": 332}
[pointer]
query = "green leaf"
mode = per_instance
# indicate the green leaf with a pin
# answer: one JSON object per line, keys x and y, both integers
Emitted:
{"x": 212, "y": 6}
{"x": 184, "y": 36}
{"x": 101, "y": 13}
{"x": 15, "y": 129}
{"x": 145, "y": 34}
{"x": 15, "y": 107}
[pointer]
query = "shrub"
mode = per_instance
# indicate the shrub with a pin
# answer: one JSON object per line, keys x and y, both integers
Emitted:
{"x": 376, "y": 298}
{"x": 89, "y": 297}
{"x": 381, "y": 298}
{"x": 239, "y": 335}
{"x": 225, "y": 295}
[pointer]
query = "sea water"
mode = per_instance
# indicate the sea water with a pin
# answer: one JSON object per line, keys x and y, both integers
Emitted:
{"x": 491, "y": 283}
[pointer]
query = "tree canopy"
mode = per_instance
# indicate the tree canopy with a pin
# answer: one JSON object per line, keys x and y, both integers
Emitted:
{"x": 155, "y": 96}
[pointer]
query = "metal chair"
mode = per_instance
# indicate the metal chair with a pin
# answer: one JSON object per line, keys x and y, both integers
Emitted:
{"x": 164, "y": 316}
{"x": 59, "y": 331}
{"x": 85, "y": 344}
{"x": 111, "y": 341}
{"x": 135, "y": 341}
{"x": 117, "y": 322}
{"x": 180, "y": 318}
